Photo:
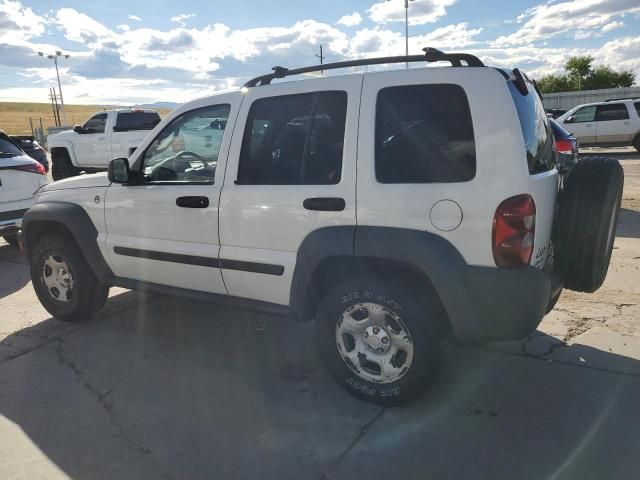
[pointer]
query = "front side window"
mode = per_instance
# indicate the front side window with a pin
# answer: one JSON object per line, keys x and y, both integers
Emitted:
{"x": 615, "y": 111}
{"x": 585, "y": 114}
{"x": 424, "y": 134}
{"x": 294, "y": 140}
{"x": 186, "y": 150}
{"x": 95, "y": 124}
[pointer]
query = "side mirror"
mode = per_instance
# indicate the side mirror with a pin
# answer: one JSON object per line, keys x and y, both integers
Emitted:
{"x": 118, "y": 170}
{"x": 78, "y": 129}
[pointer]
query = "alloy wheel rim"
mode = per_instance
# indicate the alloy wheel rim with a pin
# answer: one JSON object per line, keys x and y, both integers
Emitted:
{"x": 374, "y": 342}
{"x": 58, "y": 278}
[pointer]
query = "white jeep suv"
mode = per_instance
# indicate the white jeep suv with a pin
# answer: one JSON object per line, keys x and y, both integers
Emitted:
{"x": 394, "y": 208}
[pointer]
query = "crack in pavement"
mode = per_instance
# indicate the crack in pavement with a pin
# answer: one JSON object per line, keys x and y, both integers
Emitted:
{"x": 363, "y": 431}
{"x": 101, "y": 397}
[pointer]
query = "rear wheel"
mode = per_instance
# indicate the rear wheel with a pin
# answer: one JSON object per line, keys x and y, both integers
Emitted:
{"x": 11, "y": 239}
{"x": 586, "y": 222}
{"x": 380, "y": 340}
{"x": 636, "y": 142}
{"x": 63, "y": 281}
{"x": 62, "y": 166}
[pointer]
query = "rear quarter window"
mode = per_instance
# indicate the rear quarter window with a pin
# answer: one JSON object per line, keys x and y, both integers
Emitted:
{"x": 536, "y": 131}
{"x": 424, "y": 134}
{"x": 136, "y": 121}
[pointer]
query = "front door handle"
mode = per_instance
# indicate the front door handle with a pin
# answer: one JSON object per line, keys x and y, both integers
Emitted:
{"x": 192, "y": 202}
{"x": 326, "y": 204}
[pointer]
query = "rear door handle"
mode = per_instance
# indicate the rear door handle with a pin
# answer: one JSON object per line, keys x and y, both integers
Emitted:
{"x": 192, "y": 202}
{"x": 326, "y": 204}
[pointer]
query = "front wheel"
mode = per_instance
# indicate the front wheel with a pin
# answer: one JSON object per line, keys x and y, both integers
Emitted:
{"x": 380, "y": 341}
{"x": 63, "y": 281}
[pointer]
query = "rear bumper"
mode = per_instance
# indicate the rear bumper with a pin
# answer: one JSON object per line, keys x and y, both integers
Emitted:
{"x": 507, "y": 304}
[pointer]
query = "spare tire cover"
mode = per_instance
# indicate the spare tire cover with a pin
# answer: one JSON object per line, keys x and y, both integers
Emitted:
{"x": 586, "y": 221}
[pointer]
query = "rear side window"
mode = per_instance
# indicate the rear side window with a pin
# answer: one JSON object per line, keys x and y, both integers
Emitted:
{"x": 538, "y": 138}
{"x": 136, "y": 121}
{"x": 424, "y": 134}
{"x": 615, "y": 111}
{"x": 294, "y": 140}
{"x": 637, "y": 105}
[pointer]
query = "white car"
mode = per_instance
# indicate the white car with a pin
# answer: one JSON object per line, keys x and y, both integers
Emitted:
{"x": 20, "y": 177}
{"x": 105, "y": 135}
{"x": 615, "y": 123}
{"x": 393, "y": 208}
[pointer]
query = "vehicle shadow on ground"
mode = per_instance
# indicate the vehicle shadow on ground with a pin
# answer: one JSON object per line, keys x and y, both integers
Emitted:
{"x": 13, "y": 263}
{"x": 169, "y": 388}
{"x": 628, "y": 224}
{"x": 618, "y": 155}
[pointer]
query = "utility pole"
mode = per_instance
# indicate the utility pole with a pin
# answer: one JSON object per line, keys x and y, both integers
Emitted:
{"x": 321, "y": 57}
{"x": 54, "y": 57}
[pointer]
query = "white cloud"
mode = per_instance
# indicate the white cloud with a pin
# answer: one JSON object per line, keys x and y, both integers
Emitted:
{"x": 420, "y": 11}
{"x": 135, "y": 18}
{"x": 18, "y": 22}
{"x": 350, "y": 20}
{"x": 180, "y": 19}
{"x": 612, "y": 26}
{"x": 81, "y": 28}
{"x": 549, "y": 19}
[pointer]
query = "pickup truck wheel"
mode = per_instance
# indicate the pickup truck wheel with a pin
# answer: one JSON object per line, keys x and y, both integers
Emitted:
{"x": 62, "y": 279}
{"x": 586, "y": 222}
{"x": 379, "y": 340}
{"x": 11, "y": 239}
{"x": 62, "y": 166}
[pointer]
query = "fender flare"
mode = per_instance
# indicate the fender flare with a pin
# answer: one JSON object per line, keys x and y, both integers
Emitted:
{"x": 427, "y": 253}
{"x": 42, "y": 217}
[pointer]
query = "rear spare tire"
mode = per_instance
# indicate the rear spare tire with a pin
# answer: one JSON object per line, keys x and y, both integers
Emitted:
{"x": 586, "y": 222}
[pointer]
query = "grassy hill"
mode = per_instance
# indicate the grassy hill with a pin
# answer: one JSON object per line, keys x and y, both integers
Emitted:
{"x": 14, "y": 116}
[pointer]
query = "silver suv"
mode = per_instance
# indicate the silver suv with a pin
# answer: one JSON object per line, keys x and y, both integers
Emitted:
{"x": 615, "y": 123}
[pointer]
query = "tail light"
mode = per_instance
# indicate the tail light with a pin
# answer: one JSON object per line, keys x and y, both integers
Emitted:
{"x": 514, "y": 228}
{"x": 564, "y": 146}
{"x": 33, "y": 167}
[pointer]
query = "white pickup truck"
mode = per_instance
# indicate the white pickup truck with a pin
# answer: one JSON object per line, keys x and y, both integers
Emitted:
{"x": 105, "y": 135}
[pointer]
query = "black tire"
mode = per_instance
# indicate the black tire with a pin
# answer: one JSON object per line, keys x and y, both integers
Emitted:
{"x": 11, "y": 239}
{"x": 420, "y": 313}
{"x": 586, "y": 222}
{"x": 86, "y": 292}
{"x": 636, "y": 142}
{"x": 62, "y": 166}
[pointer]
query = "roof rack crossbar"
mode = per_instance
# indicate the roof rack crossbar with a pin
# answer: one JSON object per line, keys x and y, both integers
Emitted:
{"x": 620, "y": 99}
{"x": 430, "y": 55}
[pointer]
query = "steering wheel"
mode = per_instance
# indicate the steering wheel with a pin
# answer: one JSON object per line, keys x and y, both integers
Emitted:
{"x": 185, "y": 153}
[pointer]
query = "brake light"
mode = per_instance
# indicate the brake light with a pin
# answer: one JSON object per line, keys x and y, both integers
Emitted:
{"x": 564, "y": 146}
{"x": 33, "y": 167}
{"x": 514, "y": 228}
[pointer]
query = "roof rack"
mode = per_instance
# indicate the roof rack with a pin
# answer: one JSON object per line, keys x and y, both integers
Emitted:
{"x": 619, "y": 99}
{"x": 430, "y": 55}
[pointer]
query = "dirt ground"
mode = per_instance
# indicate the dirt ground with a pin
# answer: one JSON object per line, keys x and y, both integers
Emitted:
{"x": 155, "y": 387}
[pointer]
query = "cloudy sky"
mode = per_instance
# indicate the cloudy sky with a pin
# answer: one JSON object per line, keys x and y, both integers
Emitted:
{"x": 134, "y": 52}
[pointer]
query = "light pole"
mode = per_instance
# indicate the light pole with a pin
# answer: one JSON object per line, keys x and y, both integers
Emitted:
{"x": 54, "y": 57}
{"x": 406, "y": 29}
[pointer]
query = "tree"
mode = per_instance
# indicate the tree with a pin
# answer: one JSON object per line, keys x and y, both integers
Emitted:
{"x": 580, "y": 75}
{"x": 578, "y": 69}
